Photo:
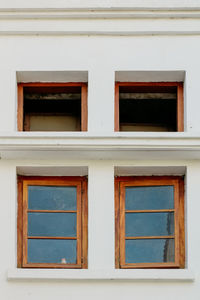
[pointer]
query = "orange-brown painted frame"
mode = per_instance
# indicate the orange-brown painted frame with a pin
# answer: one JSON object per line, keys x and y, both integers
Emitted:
{"x": 179, "y": 234}
{"x": 180, "y": 102}
{"x": 41, "y": 85}
{"x": 82, "y": 219}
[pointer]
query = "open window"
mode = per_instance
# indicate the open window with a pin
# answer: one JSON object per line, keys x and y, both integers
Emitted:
{"x": 149, "y": 222}
{"x": 52, "y": 107}
{"x": 149, "y": 106}
{"x": 52, "y": 222}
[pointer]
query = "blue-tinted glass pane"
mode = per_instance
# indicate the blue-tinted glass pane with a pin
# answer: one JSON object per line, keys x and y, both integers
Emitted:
{"x": 149, "y": 197}
{"x": 52, "y": 224}
{"x": 149, "y": 224}
{"x": 52, "y": 197}
{"x": 51, "y": 251}
{"x": 149, "y": 251}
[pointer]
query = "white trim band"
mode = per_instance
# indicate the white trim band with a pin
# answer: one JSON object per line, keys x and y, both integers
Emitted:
{"x": 150, "y": 275}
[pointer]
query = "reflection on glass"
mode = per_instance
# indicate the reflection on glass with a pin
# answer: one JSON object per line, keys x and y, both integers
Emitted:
{"x": 149, "y": 224}
{"x": 149, "y": 197}
{"x": 51, "y": 251}
{"x": 52, "y": 197}
{"x": 149, "y": 251}
{"x": 52, "y": 224}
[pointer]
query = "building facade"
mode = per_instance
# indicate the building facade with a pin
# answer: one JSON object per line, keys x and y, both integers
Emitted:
{"x": 100, "y": 98}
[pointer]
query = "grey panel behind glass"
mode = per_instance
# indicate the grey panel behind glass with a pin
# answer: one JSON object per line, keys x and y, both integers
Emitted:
{"x": 149, "y": 251}
{"x": 149, "y": 224}
{"x": 52, "y": 224}
{"x": 51, "y": 251}
{"x": 149, "y": 197}
{"x": 52, "y": 197}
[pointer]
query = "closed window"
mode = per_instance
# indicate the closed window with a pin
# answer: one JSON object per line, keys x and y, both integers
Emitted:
{"x": 149, "y": 214}
{"x": 52, "y": 222}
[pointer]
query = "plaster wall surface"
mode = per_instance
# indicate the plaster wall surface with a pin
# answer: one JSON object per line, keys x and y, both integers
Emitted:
{"x": 99, "y": 60}
{"x": 101, "y": 57}
{"x": 101, "y": 225}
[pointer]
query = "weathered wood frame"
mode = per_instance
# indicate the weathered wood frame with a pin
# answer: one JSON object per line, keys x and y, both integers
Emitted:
{"x": 82, "y": 219}
{"x": 180, "y": 102}
{"x": 41, "y": 85}
{"x": 179, "y": 234}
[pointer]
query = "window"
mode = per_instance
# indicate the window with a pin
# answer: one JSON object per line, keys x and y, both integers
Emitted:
{"x": 52, "y": 222}
{"x": 52, "y": 107}
{"x": 149, "y": 220}
{"x": 149, "y": 106}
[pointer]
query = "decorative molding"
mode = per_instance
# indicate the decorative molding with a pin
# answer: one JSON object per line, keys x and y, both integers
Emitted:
{"x": 79, "y": 141}
{"x": 116, "y": 20}
{"x": 91, "y": 13}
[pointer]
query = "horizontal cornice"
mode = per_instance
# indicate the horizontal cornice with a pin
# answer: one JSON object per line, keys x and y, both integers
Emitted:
{"x": 87, "y": 146}
{"x": 99, "y": 13}
{"x": 101, "y": 18}
{"x": 99, "y": 142}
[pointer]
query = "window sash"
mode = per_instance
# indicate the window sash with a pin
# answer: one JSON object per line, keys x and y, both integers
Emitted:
{"x": 81, "y": 220}
{"x": 120, "y": 211}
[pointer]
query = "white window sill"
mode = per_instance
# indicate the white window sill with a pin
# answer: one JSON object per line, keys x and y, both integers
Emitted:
{"x": 135, "y": 275}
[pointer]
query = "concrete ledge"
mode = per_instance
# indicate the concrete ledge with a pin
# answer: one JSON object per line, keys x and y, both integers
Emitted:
{"x": 132, "y": 275}
{"x": 87, "y": 146}
{"x": 89, "y": 141}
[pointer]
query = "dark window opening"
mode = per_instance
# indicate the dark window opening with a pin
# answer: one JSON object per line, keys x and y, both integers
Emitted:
{"x": 52, "y": 107}
{"x": 148, "y": 108}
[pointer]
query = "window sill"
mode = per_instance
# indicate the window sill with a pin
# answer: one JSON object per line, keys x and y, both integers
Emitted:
{"x": 132, "y": 275}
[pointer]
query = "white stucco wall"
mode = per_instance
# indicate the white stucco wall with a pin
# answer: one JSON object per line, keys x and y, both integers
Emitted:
{"x": 99, "y": 58}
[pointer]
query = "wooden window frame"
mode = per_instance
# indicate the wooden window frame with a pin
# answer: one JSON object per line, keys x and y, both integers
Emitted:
{"x": 180, "y": 102}
{"x": 179, "y": 232}
{"x": 41, "y": 85}
{"x": 82, "y": 219}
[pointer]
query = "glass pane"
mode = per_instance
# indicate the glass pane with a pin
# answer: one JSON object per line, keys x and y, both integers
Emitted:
{"x": 149, "y": 197}
{"x": 149, "y": 224}
{"x": 51, "y": 251}
{"x": 52, "y": 197}
{"x": 52, "y": 224}
{"x": 149, "y": 251}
